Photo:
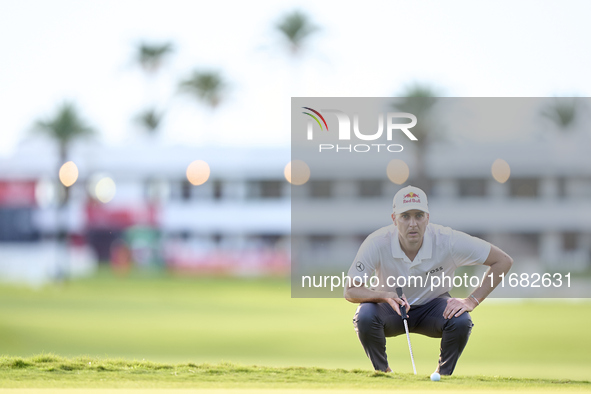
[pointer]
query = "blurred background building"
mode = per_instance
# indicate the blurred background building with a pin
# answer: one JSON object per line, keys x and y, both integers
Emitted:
{"x": 535, "y": 209}
{"x": 137, "y": 206}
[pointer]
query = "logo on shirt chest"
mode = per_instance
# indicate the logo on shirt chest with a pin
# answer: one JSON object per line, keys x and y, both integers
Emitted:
{"x": 434, "y": 270}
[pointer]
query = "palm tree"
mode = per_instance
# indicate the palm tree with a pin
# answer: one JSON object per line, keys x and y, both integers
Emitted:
{"x": 562, "y": 112}
{"x": 419, "y": 100}
{"x": 150, "y": 119}
{"x": 151, "y": 56}
{"x": 296, "y": 28}
{"x": 64, "y": 128}
{"x": 207, "y": 86}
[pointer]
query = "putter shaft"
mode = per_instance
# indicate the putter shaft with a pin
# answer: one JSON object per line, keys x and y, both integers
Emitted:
{"x": 410, "y": 347}
{"x": 404, "y": 317}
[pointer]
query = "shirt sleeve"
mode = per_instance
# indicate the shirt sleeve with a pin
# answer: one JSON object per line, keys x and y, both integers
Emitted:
{"x": 468, "y": 250}
{"x": 365, "y": 263}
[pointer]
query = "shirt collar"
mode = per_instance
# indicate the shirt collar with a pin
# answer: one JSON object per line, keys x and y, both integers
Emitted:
{"x": 397, "y": 252}
{"x": 426, "y": 251}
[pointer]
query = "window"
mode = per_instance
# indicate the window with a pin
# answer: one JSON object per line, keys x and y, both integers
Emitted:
{"x": 156, "y": 189}
{"x": 265, "y": 240}
{"x": 217, "y": 238}
{"x": 578, "y": 187}
{"x": 264, "y": 189}
{"x": 569, "y": 241}
{"x": 561, "y": 187}
{"x": 217, "y": 189}
{"x": 17, "y": 225}
{"x": 369, "y": 188}
{"x": 524, "y": 244}
{"x": 472, "y": 187}
{"x": 422, "y": 183}
{"x": 186, "y": 190}
{"x": 320, "y": 189}
{"x": 320, "y": 241}
{"x": 524, "y": 187}
{"x": 270, "y": 189}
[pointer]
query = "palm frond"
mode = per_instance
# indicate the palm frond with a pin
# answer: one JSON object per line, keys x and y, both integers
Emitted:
{"x": 296, "y": 27}
{"x": 207, "y": 86}
{"x": 562, "y": 112}
{"x": 151, "y": 56}
{"x": 66, "y": 125}
{"x": 419, "y": 100}
{"x": 150, "y": 119}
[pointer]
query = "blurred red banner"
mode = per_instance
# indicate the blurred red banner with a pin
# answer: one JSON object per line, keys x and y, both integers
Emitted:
{"x": 100, "y": 215}
{"x": 17, "y": 193}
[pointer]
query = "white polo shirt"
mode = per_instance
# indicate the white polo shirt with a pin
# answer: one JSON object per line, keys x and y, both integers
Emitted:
{"x": 443, "y": 250}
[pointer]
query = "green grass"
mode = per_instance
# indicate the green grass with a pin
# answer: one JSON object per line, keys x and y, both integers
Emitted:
{"x": 47, "y": 370}
{"x": 256, "y": 322}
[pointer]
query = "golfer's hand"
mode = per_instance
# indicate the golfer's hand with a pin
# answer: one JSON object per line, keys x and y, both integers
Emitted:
{"x": 395, "y": 302}
{"x": 457, "y": 306}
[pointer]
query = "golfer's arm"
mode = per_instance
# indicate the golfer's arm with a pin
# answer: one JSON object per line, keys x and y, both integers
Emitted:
{"x": 499, "y": 263}
{"x": 361, "y": 294}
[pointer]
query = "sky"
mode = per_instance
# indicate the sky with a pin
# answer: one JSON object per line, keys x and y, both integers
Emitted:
{"x": 83, "y": 51}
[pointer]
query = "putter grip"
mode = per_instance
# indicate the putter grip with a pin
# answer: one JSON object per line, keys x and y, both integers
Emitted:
{"x": 402, "y": 308}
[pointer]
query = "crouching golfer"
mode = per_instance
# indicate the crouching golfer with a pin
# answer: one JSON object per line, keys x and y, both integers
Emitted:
{"x": 413, "y": 247}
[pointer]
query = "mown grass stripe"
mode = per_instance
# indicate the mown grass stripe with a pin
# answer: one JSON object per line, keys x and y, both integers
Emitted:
{"x": 49, "y": 370}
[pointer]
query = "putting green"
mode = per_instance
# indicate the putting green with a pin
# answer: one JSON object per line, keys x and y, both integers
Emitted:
{"x": 255, "y": 322}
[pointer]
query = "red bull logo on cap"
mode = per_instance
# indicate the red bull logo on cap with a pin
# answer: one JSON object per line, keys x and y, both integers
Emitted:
{"x": 411, "y": 197}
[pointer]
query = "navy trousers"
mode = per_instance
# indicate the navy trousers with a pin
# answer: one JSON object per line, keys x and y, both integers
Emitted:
{"x": 375, "y": 322}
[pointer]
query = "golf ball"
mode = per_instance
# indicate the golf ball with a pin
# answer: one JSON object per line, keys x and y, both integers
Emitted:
{"x": 435, "y": 377}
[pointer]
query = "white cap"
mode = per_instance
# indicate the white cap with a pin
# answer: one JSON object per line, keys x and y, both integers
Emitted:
{"x": 408, "y": 198}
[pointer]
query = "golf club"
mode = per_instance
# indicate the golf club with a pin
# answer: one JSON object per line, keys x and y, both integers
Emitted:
{"x": 404, "y": 318}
